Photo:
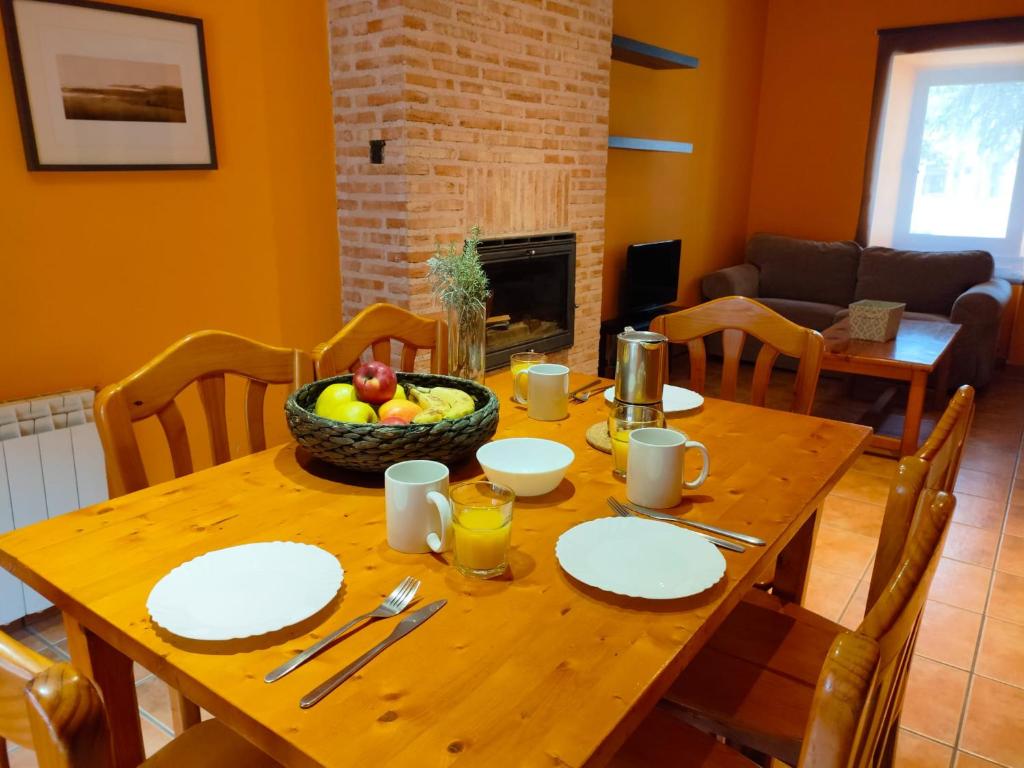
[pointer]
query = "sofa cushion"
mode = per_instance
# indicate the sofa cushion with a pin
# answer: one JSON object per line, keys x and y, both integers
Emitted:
{"x": 805, "y": 270}
{"x": 927, "y": 281}
{"x": 809, "y": 314}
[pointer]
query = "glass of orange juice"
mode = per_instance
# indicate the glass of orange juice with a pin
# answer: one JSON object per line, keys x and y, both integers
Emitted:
{"x": 522, "y": 361}
{"x": 622, "y": 420}
{"x": 482, "y": 523}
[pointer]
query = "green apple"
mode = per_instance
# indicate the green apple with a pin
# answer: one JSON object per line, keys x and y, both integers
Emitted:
{"x": 332, "y": 397}
{"x": 354, "y": 411}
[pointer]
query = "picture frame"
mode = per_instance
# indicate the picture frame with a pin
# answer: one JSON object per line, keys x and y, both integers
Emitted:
{"x": 103, "y": 87}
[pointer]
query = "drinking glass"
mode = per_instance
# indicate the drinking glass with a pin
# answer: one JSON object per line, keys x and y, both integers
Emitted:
{"x": 482, "y": 523}
{"x": 623, "y": 420}
{"x": 521, "y": 361}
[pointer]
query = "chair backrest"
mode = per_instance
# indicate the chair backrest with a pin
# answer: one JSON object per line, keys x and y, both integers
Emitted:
{"x": 737, "y": 317}
{"x": 855, "y": 715}
{"x": 51, "y": 709}
{"x": 375, "y": 328}
{"x": 942, "y": 451}
{"x": 202, "y": 358}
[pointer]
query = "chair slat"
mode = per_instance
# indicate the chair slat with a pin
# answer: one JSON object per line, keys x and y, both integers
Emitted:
{"x": 698, "y": 365}
{"x": 212, "y": 395}
{"x": 382, "y": 350}
{"x": 762, "y": 374}
{"x": 375, "y": 325}
{"x": 255, "y": 394}
{"x": 408, "y": 359}
{"x": 173, "y": 423}
{"x": 733, "y": 340}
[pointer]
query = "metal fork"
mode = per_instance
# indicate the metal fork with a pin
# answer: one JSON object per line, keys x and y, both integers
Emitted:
{"x": 393, "y": 605}
{"x": 622, "y": 510}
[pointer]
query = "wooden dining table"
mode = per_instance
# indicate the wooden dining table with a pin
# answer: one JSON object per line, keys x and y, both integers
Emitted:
{"x": 529, "y": 669}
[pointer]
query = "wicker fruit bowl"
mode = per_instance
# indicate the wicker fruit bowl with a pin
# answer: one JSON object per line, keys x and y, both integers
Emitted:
{"x": 375, "y": 447}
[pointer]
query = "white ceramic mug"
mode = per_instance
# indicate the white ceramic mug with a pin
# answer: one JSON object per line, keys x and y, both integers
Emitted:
{"x": 417, "y": 510}
{"x": 547, "y": 391}
{"x": 654, "y": 474}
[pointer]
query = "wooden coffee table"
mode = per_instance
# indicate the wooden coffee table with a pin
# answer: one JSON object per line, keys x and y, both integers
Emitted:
{"x": 920, "y": 347}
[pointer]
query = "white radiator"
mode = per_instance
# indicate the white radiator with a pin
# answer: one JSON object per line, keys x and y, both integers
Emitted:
{"x": 51, "y": 462}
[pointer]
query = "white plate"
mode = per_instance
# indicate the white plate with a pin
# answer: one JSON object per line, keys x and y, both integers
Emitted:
{"x": 639, "y": 558}
{"x": 245, "y": 590}
{"x": 674, "y": 399}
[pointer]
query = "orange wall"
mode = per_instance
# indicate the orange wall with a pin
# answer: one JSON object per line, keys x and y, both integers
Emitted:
{"x": 100, "y": 271}
{"x": 701, "y": 198}
{"x": 819, "y": 65}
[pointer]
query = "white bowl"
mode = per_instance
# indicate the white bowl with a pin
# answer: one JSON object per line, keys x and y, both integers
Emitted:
{"x": 528, "y": 465}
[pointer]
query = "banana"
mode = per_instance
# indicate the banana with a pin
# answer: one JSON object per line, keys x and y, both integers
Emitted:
{"x": 441, "y": 403}
{"x": 459, "y": 402}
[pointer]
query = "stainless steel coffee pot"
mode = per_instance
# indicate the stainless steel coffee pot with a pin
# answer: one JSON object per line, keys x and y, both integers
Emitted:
{"x": 641, "y": 363}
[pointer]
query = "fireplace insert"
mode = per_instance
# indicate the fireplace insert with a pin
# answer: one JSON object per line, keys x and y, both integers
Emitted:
{"x": 533, "y": 289}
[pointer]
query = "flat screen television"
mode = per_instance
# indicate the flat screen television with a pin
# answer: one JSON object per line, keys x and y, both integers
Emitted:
{"x": 652, "y": 275}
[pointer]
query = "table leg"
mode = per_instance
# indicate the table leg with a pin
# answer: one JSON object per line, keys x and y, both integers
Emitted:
{"x": 915, "y": 407}
{"x": 111, "y": 672}
{"x": 793, "y": 565}
{"x": 184, "y": 714}
{"x": 942, "y": 381}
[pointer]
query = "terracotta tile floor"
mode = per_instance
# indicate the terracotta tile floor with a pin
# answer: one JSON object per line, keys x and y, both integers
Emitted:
{"x": 965, "y": 698}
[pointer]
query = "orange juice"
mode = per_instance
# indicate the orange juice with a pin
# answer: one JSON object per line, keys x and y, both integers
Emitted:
{"x": 620, "y": 449}
{"x": 517, "y": 367}
{"x": 482, "y": 536}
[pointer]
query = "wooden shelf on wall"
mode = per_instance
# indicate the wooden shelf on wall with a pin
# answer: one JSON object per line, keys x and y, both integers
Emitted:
{"x": 649, "y": 145}
{"x": 651, "y": 56}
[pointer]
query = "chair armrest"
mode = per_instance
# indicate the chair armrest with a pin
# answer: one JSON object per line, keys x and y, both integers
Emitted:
{"x": 740, "y": 280}
{"x": 981, "y": 304}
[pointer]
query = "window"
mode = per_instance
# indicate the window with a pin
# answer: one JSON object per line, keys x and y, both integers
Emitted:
{"x": 947, "y": 168}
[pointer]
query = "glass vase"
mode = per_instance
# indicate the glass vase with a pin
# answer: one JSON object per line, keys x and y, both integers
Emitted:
{"x": 467, "y": 329}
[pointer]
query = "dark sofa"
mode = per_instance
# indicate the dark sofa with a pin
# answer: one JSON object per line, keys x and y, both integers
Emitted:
{"x": 813, "y": 282}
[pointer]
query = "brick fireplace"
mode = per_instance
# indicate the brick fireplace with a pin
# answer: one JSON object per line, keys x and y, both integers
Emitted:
{"x": 494, "y": 112}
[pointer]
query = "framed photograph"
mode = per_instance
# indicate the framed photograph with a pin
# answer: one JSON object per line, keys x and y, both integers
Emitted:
{"x": 106, "y": 87}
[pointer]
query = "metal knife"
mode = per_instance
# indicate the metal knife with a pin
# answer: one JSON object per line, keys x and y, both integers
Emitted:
{"x": 405, "y": 626}
{"x": 744, "y": 537}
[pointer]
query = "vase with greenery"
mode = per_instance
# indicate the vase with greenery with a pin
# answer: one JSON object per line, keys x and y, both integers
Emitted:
{"x": 460, "y": 283}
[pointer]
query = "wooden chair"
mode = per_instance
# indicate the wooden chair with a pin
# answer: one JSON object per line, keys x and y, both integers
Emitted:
{"x": 52, "y": 709}
{"x": 737, "y": 317}
{"x": 375, "y": 328}
{"x": 203, "y": 358}
{"x": 845, "y": 712}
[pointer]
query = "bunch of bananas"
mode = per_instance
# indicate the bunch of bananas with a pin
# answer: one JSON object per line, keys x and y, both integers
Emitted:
{"x": 440, "y": 403}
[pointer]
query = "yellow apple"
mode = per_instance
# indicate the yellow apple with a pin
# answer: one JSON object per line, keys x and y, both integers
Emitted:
{"x": 332, "y": 397}
{"x": 353, "y": 411}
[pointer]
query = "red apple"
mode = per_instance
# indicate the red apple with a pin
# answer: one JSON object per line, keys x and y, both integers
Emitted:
{"x": 394, "y": 421}
{"x": 375, "y": 382}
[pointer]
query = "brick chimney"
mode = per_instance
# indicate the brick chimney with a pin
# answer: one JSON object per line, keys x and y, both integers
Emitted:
{"x": 493, "y": 112}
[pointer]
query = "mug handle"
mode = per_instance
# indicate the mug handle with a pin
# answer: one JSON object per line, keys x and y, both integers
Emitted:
{"x": 704, "y": 470}
{"x": 440, "y": 540}
{"x": 516, "y": 395}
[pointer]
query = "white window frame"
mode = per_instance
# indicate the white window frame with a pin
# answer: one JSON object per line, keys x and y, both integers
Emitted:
{"x": 1005, "y": 248}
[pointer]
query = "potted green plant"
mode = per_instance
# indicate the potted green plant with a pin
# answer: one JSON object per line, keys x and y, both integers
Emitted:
{"x": 459, "y": 281}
